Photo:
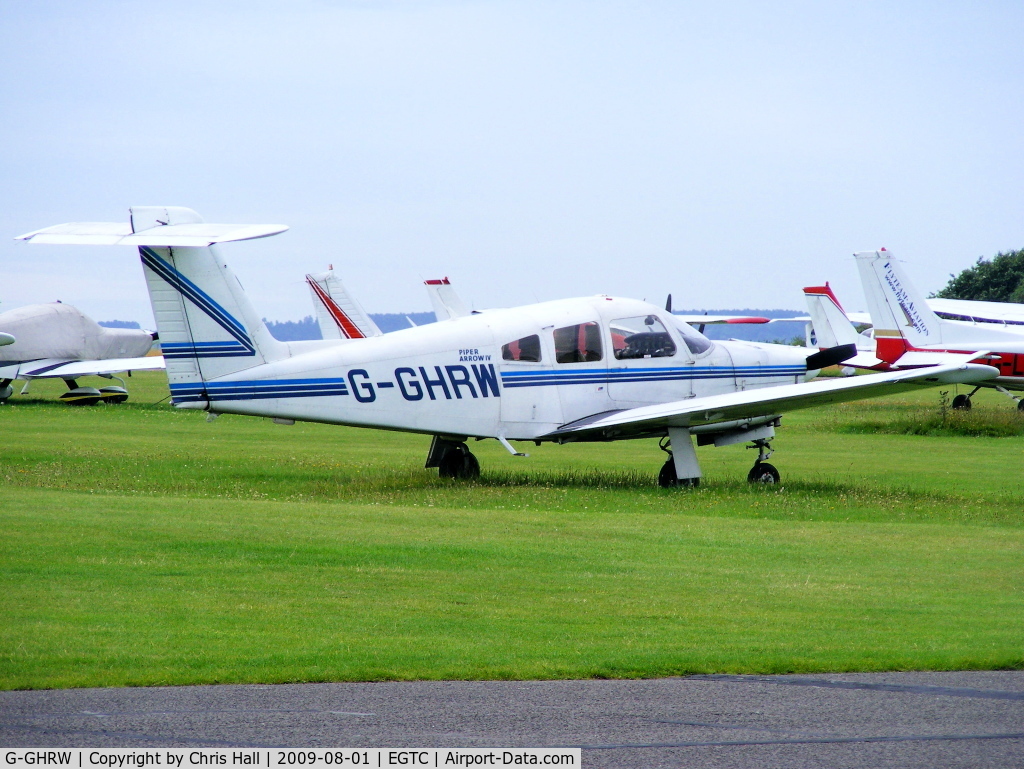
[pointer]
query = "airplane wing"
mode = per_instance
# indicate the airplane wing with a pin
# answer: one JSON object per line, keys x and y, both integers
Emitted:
{"x": 697, "y": 320}
{"x": 77, "y": 368}
{"x": 750, "y": 404}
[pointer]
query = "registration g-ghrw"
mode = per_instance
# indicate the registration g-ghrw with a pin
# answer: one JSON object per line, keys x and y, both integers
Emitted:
{"x": 591, "y": 369}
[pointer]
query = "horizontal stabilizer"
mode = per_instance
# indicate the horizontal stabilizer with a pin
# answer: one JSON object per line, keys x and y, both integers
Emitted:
{"x": 199, "y": 234}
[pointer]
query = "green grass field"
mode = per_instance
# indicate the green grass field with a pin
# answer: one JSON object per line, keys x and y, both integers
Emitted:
{"x": 140, "y": 545}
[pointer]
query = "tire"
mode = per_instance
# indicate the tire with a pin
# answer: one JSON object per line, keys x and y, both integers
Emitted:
{"x": 667, "y": 478}
{"x": 762, "y": 472}
{"x": 961, "y": 403}
{"x": 1020, "y": 405}
{"x": 459, "y": 463}
{"x": 470, "y": 468}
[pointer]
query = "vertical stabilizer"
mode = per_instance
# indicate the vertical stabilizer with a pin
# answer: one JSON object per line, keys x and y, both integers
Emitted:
{"x": 447, "y": 304}
{"x": 207, "y": 325}
{"x": 901, "y": 316}
{"x": 340, "y": 316}
{"x": 831, "y": 326}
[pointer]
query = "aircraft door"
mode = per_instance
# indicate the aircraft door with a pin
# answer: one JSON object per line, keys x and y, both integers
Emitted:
{"x": 528, "y": 403}
{"x": 648, "y": 365}
{"x": 581, "y": 371}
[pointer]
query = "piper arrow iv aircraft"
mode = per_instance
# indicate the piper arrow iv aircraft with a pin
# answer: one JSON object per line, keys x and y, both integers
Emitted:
{"x": 56, "y": 341}
{"x": 590, "y": 369}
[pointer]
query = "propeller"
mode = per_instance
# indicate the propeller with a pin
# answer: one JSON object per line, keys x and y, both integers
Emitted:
{"x": 668, "y": 304}
{"x": 831, "y": 356}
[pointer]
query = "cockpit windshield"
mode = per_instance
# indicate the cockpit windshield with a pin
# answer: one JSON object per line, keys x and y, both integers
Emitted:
{"x": 695, "y": 341}
{"x": 643, "y": 336}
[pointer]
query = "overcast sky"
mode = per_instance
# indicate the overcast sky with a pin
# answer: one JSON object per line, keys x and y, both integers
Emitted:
{"x": 728, "y": 152}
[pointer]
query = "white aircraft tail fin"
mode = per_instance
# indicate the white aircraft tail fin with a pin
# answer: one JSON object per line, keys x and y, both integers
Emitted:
{"x": 207, "y": 326}
{"x": 339, "y": 315}
{"x": 447, "y": 304}
{"x": 901, "y": 315}
{"x": 831, "y": 326}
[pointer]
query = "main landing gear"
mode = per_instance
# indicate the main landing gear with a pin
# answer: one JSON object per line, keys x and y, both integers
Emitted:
{"x": 452, "y": 458}
{"x": 963, "y": 402}
{"x": 669, "y": 476}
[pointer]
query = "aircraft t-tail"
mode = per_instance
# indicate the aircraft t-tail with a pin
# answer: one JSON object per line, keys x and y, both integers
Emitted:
{"x": 598, "y": 368}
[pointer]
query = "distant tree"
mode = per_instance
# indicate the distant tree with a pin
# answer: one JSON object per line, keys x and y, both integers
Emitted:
{"x": 1000, "y": 279}
{"x": 294, "y": 330}
{"x": 120, "y": 324}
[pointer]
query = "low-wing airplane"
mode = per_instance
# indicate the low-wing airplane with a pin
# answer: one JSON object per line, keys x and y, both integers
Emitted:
{"x": 56, "y": 341}
{"x": 909, "y": 334}
{"x": 589, "y": 369}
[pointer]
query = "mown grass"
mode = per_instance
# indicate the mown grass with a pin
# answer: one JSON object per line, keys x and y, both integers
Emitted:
{"x": 141, "y": 546}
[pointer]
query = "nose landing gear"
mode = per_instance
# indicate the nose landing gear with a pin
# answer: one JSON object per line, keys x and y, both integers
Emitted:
{"x": 762, "y": 471}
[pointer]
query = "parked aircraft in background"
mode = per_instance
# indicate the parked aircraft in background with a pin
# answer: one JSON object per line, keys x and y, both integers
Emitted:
{"x": 339, "y": 315}
{"x": 590, "y": 369}
{"x": 56, "y": 341}
{"x": 909, "y": 334}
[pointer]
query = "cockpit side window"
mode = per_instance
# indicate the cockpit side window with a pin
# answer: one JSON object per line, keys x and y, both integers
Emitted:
{"x": 525, "y": 349}
{"x": 578, "y": 344}
{"x": 641, "y": 337}
{"x": 695, "y": 341}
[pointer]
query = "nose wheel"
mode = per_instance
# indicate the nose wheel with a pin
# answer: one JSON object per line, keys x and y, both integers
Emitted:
{"x": 762, "y": 471}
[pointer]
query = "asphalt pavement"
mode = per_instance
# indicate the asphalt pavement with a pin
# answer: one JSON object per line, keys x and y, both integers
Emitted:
{"x": 958, "y": 719}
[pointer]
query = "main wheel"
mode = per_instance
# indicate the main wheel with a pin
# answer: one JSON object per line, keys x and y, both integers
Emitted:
{"x": 962, "y": 403}
{"x": 1020, "y": 405}
{"x": 762, "y": 472}
{"x": 459, "y": 463}
{"x": 667, "y": 478}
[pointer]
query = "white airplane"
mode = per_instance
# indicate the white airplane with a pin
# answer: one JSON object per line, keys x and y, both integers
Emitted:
{"x": 970, "y": 311}
{"x": 56, "y": 341}
{"x": 591, "y": 369}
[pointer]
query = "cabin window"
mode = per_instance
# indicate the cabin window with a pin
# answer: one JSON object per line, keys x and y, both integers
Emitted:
{"x": 641, "y": 337}
{"x": 695, "y": 341}
{"x": 578, "y": 344}
{"x": 525, "y": 349}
